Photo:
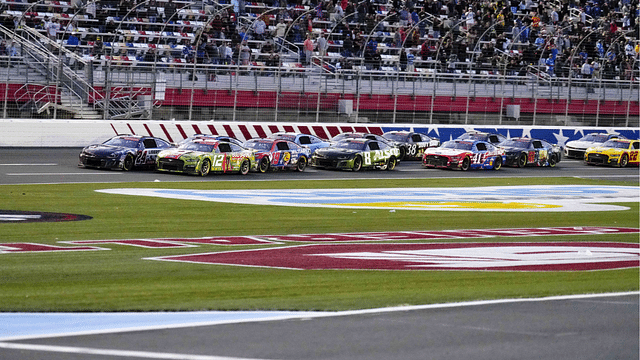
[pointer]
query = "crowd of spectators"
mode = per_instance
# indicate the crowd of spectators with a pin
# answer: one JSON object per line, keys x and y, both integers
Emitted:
{"x": 583, "y": 38}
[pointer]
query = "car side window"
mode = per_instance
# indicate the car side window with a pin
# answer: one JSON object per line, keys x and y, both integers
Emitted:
{"x": 224, "y": 147}
{"x": 149, "y": 143}
{"x": 282, "y": 146}
{"x": 636, "y": 144}
{"x": 305, "y": 140}
{"x": 416, "y": 138}
{"x": 493, "y": 139}
{"x": 537, "y": 145}
{"x": 481, "y": 147}
{"x": 374, "y": 146}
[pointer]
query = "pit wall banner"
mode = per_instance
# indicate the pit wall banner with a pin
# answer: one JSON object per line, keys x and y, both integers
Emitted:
{"x": 80, "y": 133}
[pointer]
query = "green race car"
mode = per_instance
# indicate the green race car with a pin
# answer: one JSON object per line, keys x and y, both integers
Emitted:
{"x": 202, "y": 156}
{"x": 356, "y": 154}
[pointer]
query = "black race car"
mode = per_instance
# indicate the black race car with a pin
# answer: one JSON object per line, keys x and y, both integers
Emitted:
{"x": 521, "y": 152}
{"x": 123, "y": 152}
{"x": 411, "y": 144}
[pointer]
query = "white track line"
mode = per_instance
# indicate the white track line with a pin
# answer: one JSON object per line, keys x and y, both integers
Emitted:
{"x": 44, "y": 174}
{"x": 46, "y": 164}
{"x": 116, "y": 353}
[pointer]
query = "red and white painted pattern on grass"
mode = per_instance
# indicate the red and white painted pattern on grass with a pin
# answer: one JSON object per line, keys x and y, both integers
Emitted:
{"x": 322, "y": 238}
{"x": 178, "y": 131}
{"x": 545, "y": 256}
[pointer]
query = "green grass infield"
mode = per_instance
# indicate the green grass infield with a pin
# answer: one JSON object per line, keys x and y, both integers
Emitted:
{"x": 121, "y": 280}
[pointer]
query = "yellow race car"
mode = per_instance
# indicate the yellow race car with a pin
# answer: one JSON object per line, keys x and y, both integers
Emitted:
{"x": 620, "y": 152}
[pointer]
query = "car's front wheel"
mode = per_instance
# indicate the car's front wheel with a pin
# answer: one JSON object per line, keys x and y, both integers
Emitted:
{"x": 553, "y": 161}
{"x": 522, "y": 160}
{"x": 466, "y": 163}
{"x": 264, "y": 164}
{"x": 357, "y": 163}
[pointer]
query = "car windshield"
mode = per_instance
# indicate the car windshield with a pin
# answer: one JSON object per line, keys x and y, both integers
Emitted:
{"x": 198, "y": 147}
{"x": 259, "y": 145}
{"x": 124, "y": 142}
{"x": 615, "y": 144}
{"x": 518, "y": 144}
{"x": 600, "y": 138}
{"x": 395, "y": 136}
{"x": 346, "y": 136}
{"x": 289, "y": 137}
{"x": 462, "y": 145}
{"x": 353, "y": 145}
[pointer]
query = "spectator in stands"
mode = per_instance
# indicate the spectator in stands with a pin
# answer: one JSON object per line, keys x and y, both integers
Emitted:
{"x": 280, "y": 30}
{"x": 90, "y": 9}
{"x": 225, "y": 53}
{"x": 308, "y": 49}
{"x": 245, "y": 53}
{"x": 216, "y": 26}
{"x": 98, "y": 48}
{"x": 53, "y": 27}
{"x": 152, "y": 11}
{"x": 73, "y": 42}
{"x": 322, "y": 45}
{"x": 259, "y": 27}
{"x": 170, "y": 11}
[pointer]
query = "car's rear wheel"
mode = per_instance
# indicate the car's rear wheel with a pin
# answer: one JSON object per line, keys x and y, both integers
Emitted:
{"x": 205, "y": 169}
{"x": 624, "y": 160}
{"x": 245, "y": 167}
{"x": 522, "y": 160}
{"x": 357, "y": 163}
{"x": 302, "y": 164}
{"x": 128, "y": 163}
{"x": 264, "y": 164}
{"x": 466, "y": 163}
{"x": 497, "y": 163}
{"x": 391, "y": 163}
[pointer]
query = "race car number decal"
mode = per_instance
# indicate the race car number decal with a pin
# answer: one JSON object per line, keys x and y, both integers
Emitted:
{"x": 633, "y": 156}
{"x": 219, "y": 161}
{"x": 478, "y": 158}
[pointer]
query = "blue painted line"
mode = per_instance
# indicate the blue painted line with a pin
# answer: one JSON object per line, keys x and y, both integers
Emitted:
{"x": 15, "y": 326}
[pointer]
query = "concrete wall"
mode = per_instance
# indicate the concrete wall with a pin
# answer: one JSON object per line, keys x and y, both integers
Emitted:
{"x": 79, "y": 133}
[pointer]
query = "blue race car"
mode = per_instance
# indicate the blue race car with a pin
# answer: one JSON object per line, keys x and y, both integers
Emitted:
{"x": 123, "y": 152}
{"x": 524, "y": 151}
{"x": 279, "y": 154}
{"x": 312, "y": 142}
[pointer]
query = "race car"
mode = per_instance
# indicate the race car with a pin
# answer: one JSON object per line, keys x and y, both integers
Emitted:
{"x": 411, "y": 144}
{"x": 524, "y": 151}
{"x": 576, "y": 148}
{"x": 210, "y": 137}
{"x": 279, "y": 154}
{"x": 203, "y": 156}
{"x": 123, "y": 152}
{"x": 356, "y": 154}
{"x": 620, "y": 152}
{"x": 361, "y": 135}
{"x": 492, "y": 138}
{"x": 310, "y": 141}
{"x": 464, "y": 155}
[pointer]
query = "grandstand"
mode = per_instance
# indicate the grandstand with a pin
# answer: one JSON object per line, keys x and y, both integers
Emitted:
{"x": 559, "y": 62}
